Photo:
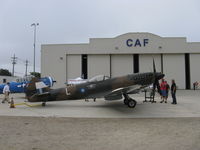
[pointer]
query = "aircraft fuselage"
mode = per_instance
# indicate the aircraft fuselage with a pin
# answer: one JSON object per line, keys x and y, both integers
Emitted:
{"x": 97, "y": 89}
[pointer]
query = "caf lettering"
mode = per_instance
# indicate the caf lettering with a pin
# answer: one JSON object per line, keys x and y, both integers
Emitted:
{"x": 137, "y": 42}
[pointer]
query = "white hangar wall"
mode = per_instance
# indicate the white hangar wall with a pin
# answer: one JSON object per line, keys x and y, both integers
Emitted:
{"x": 53, "y": 63}
{"x": 124, "y": 54}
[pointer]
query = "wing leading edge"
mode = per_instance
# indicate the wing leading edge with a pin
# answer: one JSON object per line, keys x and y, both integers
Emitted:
{"x": 117, "y": 93}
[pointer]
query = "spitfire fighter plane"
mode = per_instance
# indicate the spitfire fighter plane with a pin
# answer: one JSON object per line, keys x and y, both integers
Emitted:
{"x": 98, "y": 87}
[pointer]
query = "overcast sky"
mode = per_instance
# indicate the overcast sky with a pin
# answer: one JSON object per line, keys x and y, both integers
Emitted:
{"x": 75, "y": 21}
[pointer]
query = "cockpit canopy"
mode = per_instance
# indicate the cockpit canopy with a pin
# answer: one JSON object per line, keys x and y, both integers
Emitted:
{"x": 99, "y": 78}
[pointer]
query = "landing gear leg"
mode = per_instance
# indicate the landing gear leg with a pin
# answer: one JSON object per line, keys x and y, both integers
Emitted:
{"x": 129, "y": 101}
{"x": 43, "y": 104}
{"x": 125, "y": 101}
{"x": 126, "y": 98}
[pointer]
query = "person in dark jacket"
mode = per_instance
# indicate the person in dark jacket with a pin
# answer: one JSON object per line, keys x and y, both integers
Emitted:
{"x": 173, "y": 92}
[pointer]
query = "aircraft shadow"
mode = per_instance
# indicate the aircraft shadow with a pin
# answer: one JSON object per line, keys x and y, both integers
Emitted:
{"x": 117, "y": 106}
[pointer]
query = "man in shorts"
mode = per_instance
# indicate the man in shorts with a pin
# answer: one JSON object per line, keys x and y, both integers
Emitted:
{"x": 163, "y": 88}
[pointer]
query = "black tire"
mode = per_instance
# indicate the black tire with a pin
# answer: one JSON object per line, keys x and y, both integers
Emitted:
{"x": 125, "y": 101}
{"x": 132, "y": 103}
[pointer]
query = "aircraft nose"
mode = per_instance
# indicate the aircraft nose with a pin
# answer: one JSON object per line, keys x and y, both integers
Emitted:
{"x": 159, "y": 75}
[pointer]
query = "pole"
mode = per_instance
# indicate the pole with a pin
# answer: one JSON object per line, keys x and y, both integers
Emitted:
{"x": 34, "y": 48}
{"x": 34, "y": 44}
{"x": 26, "y": 63}
{"x": 14, "y": 61}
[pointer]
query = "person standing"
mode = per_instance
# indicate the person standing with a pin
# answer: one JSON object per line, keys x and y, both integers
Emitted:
{"x": 173, "y": 92}
{"x": 163, "y": 91}
{"x": 6, "y": 92}
{"x": 167, "y": 90}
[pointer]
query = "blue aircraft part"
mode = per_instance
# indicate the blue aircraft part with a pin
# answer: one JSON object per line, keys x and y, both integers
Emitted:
{"x": 19, "y": 87}
{"x": 82, "y": 90}
{"x": 48, "y": 81}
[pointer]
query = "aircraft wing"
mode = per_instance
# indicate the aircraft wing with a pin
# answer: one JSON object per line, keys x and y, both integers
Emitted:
{"x": 45, "y": 94}
{"x": 78, "y": 80}
{"x": 117, "y": 93}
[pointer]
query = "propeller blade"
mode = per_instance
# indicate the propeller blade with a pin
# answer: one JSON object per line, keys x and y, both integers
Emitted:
{"x": 154, "y": 66}
{"x": 156, "y": 82}
{"x": 158, "y": 86}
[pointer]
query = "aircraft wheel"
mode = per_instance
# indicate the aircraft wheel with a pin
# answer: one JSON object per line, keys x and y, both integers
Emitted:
{"x": 43, "y": 104}
{"x": 132, "y": 103}
{"x": 125, "y": 101}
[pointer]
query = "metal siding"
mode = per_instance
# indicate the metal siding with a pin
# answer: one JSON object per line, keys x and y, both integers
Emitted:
{"x": 146, "y": 62}
{"x": 73, "y": 66}
{"x": 98, "y": 64}
{"x": 121, "y": 65}
{"x": 54, "y": 64}
{"x": 194, "y": 68}
{"x": 174, "y": 68}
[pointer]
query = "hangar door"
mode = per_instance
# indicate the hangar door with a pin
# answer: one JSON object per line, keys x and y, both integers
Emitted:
{"x": 98, "y": 65}
{"x": 194, "y": 66}
{"x": 146, "y": 62}
{"x": 73, "y": 66}
{"x": 121, "y": 65}
{"x": 174, "y": 68}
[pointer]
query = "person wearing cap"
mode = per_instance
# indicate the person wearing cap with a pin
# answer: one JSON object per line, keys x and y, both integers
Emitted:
{"x": 6, "y": 92}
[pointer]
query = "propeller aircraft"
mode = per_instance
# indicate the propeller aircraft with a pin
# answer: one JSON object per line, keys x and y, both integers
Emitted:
{"x": 98, "y": 87}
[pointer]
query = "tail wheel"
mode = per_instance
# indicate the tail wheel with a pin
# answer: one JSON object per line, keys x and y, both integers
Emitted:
{"x": 132, "y": 103}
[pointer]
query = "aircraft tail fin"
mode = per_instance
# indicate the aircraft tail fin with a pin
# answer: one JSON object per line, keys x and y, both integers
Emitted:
{"x": 35, "y": 87}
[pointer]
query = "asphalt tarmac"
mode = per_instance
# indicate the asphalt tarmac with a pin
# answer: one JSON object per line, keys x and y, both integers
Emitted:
{"x": 102, "y": 125}
{"x": 188, "y": 106}
{"x": 50, "y": 133}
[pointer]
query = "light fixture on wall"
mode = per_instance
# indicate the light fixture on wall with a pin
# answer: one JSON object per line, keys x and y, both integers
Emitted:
{"x": 61, "y": 58}
{"x": 160, "y": 47}
{"x": 116, "y": 48}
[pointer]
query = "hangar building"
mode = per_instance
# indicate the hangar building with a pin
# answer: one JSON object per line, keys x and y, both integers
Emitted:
{"x": 125, "y": 54}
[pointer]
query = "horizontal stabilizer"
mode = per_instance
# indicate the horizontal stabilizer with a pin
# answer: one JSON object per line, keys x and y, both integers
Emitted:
{"x": 40, "y": 85}
{"x": 36, "y": 88}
